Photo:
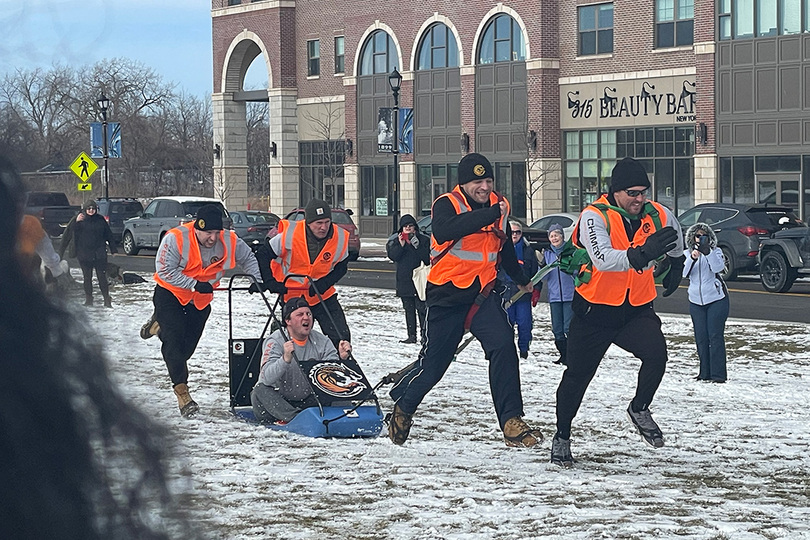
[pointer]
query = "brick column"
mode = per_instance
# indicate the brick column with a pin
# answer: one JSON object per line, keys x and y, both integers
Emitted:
{"x": 283, "y": 118}
{"x": 230, "y": 133}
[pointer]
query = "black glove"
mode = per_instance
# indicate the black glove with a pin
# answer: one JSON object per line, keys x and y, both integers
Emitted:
{"x": 703, "y": 246}
{"x": 204, "y": 287}
{"x": 657, "y": 244}
{"x": 673, "y": 279}
{"x": 275, "y": 287}
{"x": 314, "y": 289}
{"x": 256, "y": 287}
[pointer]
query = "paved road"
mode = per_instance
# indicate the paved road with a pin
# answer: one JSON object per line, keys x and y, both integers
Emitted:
{"x": 748, "y": 299}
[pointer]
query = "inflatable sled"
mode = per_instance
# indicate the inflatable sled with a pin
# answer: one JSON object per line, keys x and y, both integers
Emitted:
{"x": 347, "y": 405}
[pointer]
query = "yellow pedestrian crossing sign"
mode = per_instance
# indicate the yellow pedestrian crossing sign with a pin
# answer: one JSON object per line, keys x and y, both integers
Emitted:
{"x": 86, "y": 186}
{"x": 83, "y": 167}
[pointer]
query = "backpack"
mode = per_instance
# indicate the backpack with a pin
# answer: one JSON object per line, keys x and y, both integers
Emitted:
{"x": 576, "y": 261}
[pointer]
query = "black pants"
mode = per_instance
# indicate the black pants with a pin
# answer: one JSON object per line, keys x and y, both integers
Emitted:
{"x": 637, "y": 330}
{"x": 327, "y": 311}
{"x": 413, "y": 307}
{"x": 445, "y": 328}
{"x": 100, "y": 266}
{"x": 180, "y": 330}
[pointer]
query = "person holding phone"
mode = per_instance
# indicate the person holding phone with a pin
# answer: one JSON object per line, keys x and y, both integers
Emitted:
{"x": 708, "y": 300}
{"x": 408, "y": 249}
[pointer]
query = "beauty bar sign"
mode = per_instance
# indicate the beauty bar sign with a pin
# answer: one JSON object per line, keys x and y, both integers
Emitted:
{"x": 653, "y": 101}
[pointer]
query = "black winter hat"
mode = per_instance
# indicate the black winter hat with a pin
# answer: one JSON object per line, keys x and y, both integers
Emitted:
{"x": 90, "y": 204}
{"x": 628, "y": 173}
{"x": 405, "y": 220}
{"x": 209, "y": 218}
{"x": 472, "y": 167}
{"x": 292, "y": 305}
{"x": 317, "y": 209}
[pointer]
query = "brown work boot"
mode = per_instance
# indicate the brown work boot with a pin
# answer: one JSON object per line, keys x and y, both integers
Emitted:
{"x": 150, "y": 328}
{"x": 517, "y": 433}
{"x": 188, "y": 407}
{"x": 399, "y": 425}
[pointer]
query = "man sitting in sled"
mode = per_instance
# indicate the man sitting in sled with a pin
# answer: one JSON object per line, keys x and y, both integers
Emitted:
{"x": 282, "y": 390}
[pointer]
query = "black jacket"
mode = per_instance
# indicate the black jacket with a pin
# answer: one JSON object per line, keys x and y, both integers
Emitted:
{"x": 88, "y": 239}
{"x": 448, "y": 225}
{"x": 407, "y": 258}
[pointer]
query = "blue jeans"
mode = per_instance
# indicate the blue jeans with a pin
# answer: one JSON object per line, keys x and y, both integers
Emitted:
{"x": 520, "y": 314}
{"x": 710, "y": 324}
{"x": 560, "y": 319}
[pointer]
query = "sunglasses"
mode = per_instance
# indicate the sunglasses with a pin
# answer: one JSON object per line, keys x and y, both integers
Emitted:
{"x": 635, "y": 192}
{"x": 517, "y": 232}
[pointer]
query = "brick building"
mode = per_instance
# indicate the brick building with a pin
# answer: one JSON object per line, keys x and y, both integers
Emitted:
{"x": 552, "y": 92}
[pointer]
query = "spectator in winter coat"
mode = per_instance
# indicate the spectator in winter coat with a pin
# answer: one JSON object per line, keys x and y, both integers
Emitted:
{"x": 89, "y": 233}
{"x": 35, "y": 247}
{"x": 520, "y": 312}
{"x": 560, "y": 291}
{"x": 708, "y": 300}
{"x": 283, "y": 390}
{"x": 470, "y": 234}
{"x": 409, "y": 248}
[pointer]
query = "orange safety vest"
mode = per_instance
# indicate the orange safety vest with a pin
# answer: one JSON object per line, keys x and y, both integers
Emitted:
{"x": 192, "y": 264}
{"x": 29, "y": 235}
{"x": 295, "y": 259}
{"x": 474, "y": 255}
{"x": 611, "y": 288}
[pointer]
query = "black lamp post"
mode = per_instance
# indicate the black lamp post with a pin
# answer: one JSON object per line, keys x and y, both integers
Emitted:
{"x": 395, "y": 80}
{"x": 104, "y": 104}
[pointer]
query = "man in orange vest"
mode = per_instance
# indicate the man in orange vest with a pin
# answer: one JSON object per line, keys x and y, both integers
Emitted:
{"x": 623, "y": 235}
{"x": 313, "y": 247}
{"x": 190, "y": 261}
{"x": 471, "y": 237}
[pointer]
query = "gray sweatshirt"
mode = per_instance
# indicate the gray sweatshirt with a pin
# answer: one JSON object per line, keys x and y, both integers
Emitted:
{"x": 288, "y": 377}
{"x": 170, "y": 268}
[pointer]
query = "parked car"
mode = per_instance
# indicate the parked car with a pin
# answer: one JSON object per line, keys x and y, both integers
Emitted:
{"x": 160, "y": 215}
{"x": 783, "y": 258}
{"x": 118, "y": 210}
{"x": 538, "y": 238}
{"x": 740, "y": 228}
{"x": 252, "y": 226}
{"x": 566, "y": 220}
{"x": 343, "y": 219}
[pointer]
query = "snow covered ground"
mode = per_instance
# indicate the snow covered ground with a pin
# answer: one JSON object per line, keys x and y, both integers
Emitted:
{"x": 736, "y": 464}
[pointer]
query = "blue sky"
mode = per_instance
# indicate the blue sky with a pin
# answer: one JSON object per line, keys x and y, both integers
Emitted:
{"x": 173, "y": 37}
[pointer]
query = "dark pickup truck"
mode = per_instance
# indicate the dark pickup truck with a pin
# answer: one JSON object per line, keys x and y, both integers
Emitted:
{"x": 52, "y": 208}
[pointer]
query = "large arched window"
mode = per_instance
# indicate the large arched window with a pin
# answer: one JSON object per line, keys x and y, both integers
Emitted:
{"x": 379, "y": 54}
{"x": 502, "y": 41}
{"x": 438, "y": 48}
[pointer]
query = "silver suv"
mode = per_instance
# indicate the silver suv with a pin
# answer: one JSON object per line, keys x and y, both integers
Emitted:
{"x": 162, "y": 214}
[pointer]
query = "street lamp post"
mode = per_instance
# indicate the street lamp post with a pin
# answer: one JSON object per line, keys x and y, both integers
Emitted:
{"x": 104, "y": 104}
{"x": 395, "y": 80}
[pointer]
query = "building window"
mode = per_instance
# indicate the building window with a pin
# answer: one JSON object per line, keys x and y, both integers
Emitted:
{"x": 320, "y": 171}
{"x": 374, "y": 189}
{"x": 510, "y": 179}
{"x": 596, "y": 29}
{"x": 379, "y": 54}
{"x": 339, "y": 55}
{"x": 502, "y": 41}
{"x": 313, "y": 57}
{"x": 666, "y": 152}
{"x": 438, "y": 48}
{"x": 674, "y": 23}
{"x": 745, "y": 19}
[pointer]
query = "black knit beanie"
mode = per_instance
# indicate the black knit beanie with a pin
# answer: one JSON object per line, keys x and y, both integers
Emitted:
{"x": 628, "y": 173}
{"x": 472, "y": 167}
{"x": 317, "y": 209}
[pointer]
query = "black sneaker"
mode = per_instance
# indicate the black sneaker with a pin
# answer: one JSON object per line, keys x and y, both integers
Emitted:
{"x": 561, "y": 452}
{"x": 411, "y": 339}
{"x": 524, "y": 354}
{"x": 646, "y": 426}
